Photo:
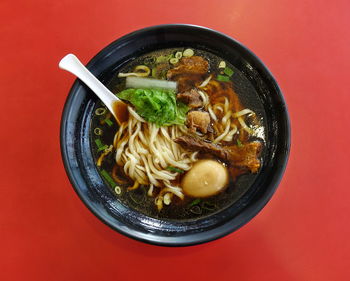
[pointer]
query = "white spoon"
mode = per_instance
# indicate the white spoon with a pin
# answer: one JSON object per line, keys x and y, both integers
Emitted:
{"x": 118, "y": 108}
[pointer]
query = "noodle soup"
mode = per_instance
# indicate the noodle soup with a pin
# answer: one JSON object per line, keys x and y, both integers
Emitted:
{"x": 194, "y": 138}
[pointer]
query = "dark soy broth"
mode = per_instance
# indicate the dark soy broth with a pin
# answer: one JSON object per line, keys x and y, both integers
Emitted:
{"x": 104, "y": 127}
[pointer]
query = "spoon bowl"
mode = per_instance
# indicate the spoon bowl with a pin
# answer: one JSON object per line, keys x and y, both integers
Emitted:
{"x": 117, "y": 107}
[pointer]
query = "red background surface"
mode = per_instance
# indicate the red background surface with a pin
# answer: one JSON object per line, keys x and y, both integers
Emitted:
{"x": 46, "y": 233}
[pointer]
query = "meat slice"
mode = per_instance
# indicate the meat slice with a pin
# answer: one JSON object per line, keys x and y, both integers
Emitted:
{"x": 245, "y": 156}
{"x": 187, "y": 82}
{"x": 189, "y": 72}
{"x": 192, "y": 98}
{"x": 190, "y": 65}
{"x": 198, "y": 120}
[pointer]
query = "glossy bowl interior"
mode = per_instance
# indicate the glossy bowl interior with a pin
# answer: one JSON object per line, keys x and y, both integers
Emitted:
{"x": 83, "y": 174}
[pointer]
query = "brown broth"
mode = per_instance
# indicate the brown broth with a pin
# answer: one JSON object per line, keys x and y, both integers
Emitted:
{"x": 242, "y": 95}
{"x": 121, "y": 111}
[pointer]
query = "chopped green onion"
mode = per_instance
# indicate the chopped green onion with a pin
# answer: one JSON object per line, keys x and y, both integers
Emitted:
{"x": 228, "y": 71}
{"x": 174, "y": 60}
{"x": 161, "y": 59}
{"x": 100, "y": 111}
{"x": 98, "y": 131}
{"x": 178, "y": 55}
{"x": 149, "y": 60}
{"x": 118, "y": 190}
{"x": 102, "y": 147}
{"x": 108, "y": 178}
{"x": 195, "y": 202}
{"x": 174, "y": 169}
{"x": 188, "y": 53}
{"x": 154, "y": 72}
{"x": 109, "y": 122}
{"x": 223, "y": 78}
{"x": 239, "y": 143}
{"x": 222, "y": 64}
{"x": 98, "y": 143}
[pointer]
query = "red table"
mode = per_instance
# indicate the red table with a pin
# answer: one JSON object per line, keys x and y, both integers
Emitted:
{"x": 46, "y": 233}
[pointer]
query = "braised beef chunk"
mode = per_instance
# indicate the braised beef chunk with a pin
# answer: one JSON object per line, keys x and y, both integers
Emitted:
{"x": 245, "y": 156}
{"x": 195, "y": 144}
{"x": 188, "y": 82}
{"x": 189, "y": 72}
{"x": 192, "y": 98}
{"x": 190, "y": 65}
{"x": 198, "y": 120}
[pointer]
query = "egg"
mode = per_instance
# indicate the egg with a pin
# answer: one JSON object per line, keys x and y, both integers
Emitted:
{"x": 205, "y": 178}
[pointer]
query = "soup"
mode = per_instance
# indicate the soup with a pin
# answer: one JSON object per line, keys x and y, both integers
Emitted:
{"x": 193, "y": 140}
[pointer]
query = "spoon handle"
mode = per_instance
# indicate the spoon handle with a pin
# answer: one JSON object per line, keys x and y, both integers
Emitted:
{"x": 72, "y": 64}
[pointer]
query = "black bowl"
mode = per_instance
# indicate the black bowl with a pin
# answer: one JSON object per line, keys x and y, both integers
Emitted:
{"x": 82, "y": 172}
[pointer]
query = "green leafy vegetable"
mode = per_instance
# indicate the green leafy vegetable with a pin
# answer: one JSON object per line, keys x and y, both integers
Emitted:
{"x": 228, "y": 71}
{"x": 157, "y": 106}
{"x": 195, "y": 202}
{"x": 223, "y": 78}
{"x": 174, "y": 169}
{"x": 108, "y": 178}
{"x": 181, "y": 112}
{"x": 239, "y": 143}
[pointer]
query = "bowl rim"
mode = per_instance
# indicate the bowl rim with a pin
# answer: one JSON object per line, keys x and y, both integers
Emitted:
{"x": 243, "y": 217}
